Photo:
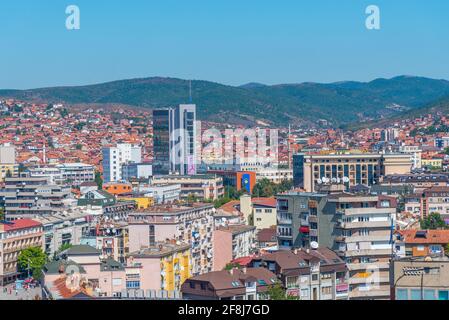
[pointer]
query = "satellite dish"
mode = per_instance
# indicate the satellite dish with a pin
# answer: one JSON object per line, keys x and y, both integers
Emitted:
{"x": 345, "y": 179}
{"x": 314, "y": 245}
{"x": 334, "y": 180}
{"x": 319, "y": 181}
{"x": 338, "y": 180}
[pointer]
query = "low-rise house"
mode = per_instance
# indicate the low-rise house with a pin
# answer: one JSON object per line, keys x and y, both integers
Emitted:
{"x": 318, "y": 274}
{"x": 420, "y": 243}
{"x": 235, "y": 284}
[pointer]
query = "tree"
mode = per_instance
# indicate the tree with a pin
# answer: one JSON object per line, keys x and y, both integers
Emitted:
{"x": 98, "y": 180}
{"x": 266, "y": 188}
{"x": 277, "y": 292}
{"x": 2, "y": 214}
{"x": 433, "y": 222}
{"x": 32, "y": 260}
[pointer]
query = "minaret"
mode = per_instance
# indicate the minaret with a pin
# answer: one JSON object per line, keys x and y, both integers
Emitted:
{"x": 44, "y": 156}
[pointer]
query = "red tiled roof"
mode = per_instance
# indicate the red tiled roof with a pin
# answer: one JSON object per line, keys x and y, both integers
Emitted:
{"x": 269, "y": 202}
{"x": 432, "y": 236}
{"x": 21, "y": 224}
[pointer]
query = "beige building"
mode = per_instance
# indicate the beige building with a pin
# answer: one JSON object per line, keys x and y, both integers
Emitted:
{"x": 348, "y": 168}
{"x": 204, "y": 187}
{"x": 8, "y": 166}
{"x": 424, "y": 278}
{"x": 259, "y": 212}
{"x": 365, "y": 242}
{"x": 14, "y": 237}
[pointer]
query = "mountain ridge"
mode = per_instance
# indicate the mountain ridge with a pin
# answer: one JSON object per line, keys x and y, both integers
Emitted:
{"x": 338, "y": 102}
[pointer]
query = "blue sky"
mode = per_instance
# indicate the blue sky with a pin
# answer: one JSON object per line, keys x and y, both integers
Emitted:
{"x": 227, "y": 41}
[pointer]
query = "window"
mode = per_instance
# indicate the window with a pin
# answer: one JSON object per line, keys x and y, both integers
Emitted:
{"x": 429, "y": 294}
{"x": 203, "y": 286}
{"x": 415, "y": 294}
{"x": 314, "y": 277}
{"x": 401, "y": 294}
{"x": 443, "y": 295}
{"x": 133, "y": 284}
{"x": 192, "y": 285}
{"x": 326, "y": 290}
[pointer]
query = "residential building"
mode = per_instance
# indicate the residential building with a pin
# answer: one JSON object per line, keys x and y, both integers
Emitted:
{"x": 416, "y": 154}
{"x": 309, "y": 274}
{"x": 26, "y": 197}
{"x": 163, "y": 266}
{"x": 358, "y": 227}
{"x": 118, "y": 189}
{"x": 435, "y": 200}
{"x": 115, "y": 157}
{"x": 62, "y": 229}
{"x": 16, "y": 236}
{"x": 232, "y": 242}
{"x": 8, "y": 165}
{"x": 137, "y": 171}
{"x": 203, "y": 187}
{"x": 420, "y": 278}
{"x": 235, "y": 284}
{"x": 192, "y": 224}
{"x": 163, "y": 193}
{"x": 421, "y": 243}
{"x": 275, "y": 175}
{"x": 259, "y": 212}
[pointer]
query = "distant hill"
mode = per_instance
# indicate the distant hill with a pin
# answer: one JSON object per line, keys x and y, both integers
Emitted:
{"x": 339, "y": 103}
{"x": 440, "y": 106}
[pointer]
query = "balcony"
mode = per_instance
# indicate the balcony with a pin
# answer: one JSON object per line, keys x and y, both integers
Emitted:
{"x": 382, "y": 292}
{"x": 368, "y": 238}
{"x": 365, "y": 224}
{"x": 368, "y": 252}
{"x": 367, "y": 211}
{"x": 360, "y": 280}
{"x": 365, "y": 266}
{"x": 284, "y": 220}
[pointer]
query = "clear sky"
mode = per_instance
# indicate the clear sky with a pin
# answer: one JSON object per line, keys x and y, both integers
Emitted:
{"x": 227, "y": 41}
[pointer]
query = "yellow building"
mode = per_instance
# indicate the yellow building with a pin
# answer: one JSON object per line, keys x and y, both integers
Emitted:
{"x": 164, "y": 266}
{"x": 8, "y": 170}
{"x": 432, "y": 163}
{"x": 142, "y": 202}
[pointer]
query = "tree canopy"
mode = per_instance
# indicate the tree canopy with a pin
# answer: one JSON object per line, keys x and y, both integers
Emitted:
{"x": 32, "y": 259}
{"x": 433, "y": 222}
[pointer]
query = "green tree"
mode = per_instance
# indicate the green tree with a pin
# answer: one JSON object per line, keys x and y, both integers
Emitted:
{"x": 98, "y": 180}
{"x": 266, "y": 188}
{"x": 2, "y": 214}
{"x": 277, "y": 292}
{"x": 433, "y": 222}
{"x": 32, "y": 260}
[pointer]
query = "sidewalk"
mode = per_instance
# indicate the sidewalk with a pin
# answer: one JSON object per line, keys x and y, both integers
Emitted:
{"x": 21, "y": 294}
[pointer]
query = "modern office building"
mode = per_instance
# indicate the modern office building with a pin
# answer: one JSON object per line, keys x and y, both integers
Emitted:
{"x": 350, "y": 169}
{"x": 162, "y": 127}
{"x": 174, "y": 132}
{"x": 115, "y": 157}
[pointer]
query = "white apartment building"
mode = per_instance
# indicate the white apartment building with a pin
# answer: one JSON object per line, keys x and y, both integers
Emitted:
{"x": 275, "y": 175}
{"x": 115, "y": 157}
{"x": 415, "y": 152}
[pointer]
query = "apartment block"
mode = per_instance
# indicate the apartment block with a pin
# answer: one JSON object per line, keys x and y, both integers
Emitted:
{"x": 192, "y": 224}
{"x": 232, "y": 242}
{"x": 203, "y": 187}
{"x": 26, "y": 197}
{"x": 235, "y": 284}
{"x": 16, "y": 236}
{"x": 115, "y": 157}
{"x": 308, "y": 274}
